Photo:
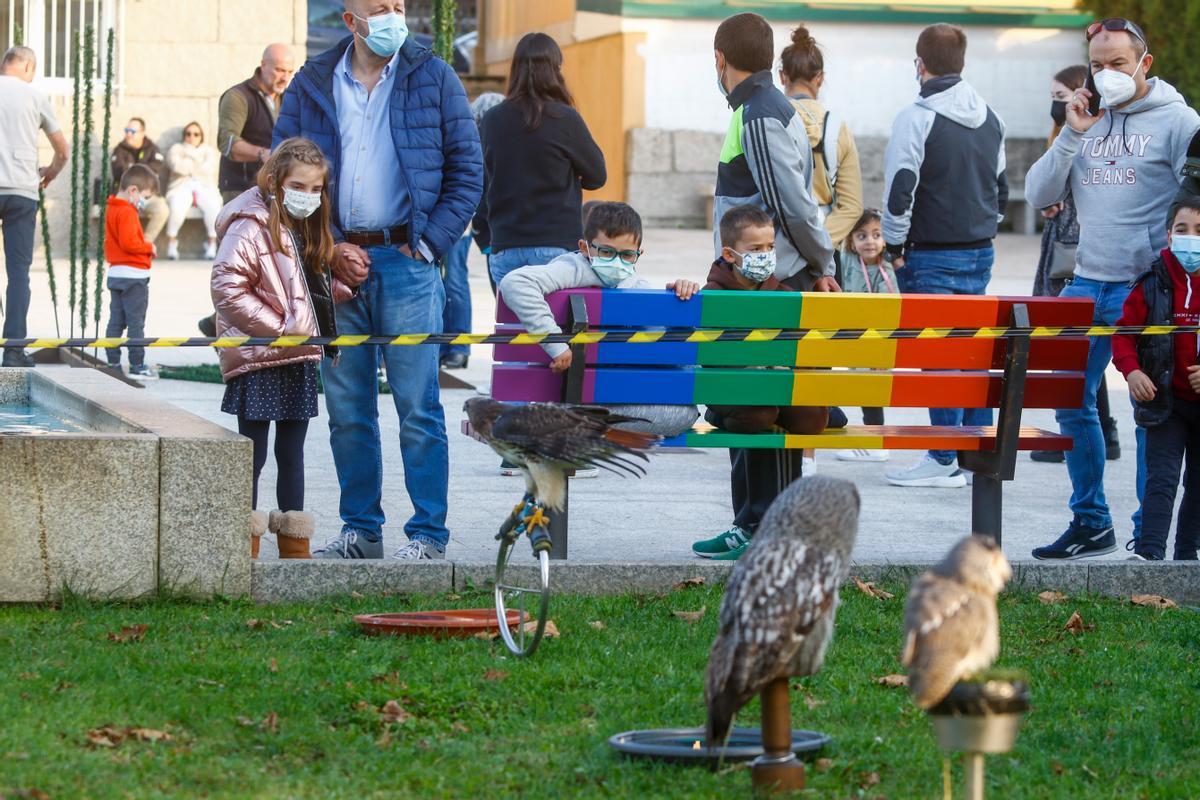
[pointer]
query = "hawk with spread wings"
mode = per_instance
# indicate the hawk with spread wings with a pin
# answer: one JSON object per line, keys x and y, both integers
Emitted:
{"x": 546, "y": 440}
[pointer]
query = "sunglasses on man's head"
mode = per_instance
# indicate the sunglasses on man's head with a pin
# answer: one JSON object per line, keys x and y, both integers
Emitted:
{"x": 606, "y": 252}
{"x": 1114, "y": 25}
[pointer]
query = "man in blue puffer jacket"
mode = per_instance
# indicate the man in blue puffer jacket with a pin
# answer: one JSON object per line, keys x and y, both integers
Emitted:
{"x": 393, "y": 121}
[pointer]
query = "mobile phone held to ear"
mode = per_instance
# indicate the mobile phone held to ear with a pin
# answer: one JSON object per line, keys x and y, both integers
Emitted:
{"x": 1093, "y": 106}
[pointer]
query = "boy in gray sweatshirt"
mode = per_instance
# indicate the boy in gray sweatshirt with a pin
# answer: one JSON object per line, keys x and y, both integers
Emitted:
{"x": 607, "y": 258}
{"x": 1123, "y": 168}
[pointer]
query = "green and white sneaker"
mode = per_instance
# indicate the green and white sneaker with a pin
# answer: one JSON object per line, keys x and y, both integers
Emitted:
{"x": 732, "y": 555}
{"x": 722, "y": 543}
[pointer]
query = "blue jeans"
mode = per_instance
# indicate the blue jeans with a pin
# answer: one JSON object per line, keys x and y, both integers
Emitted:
{"x": 18, "y": 215}
{"x": 949, "y": 272}
{"x": 400, "y": 295}
{"x": 505, "y": 261}
{"x": 1085, "y": 461}
{"x": 457, "y": 316}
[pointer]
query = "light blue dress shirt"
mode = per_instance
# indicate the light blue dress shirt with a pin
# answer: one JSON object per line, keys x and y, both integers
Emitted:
{"x": 372, "y": 194}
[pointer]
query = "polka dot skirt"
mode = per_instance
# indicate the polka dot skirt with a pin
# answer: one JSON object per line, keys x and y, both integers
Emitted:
{"x": 276, "y": 393}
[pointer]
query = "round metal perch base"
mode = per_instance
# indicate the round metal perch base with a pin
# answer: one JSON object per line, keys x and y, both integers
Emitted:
{"x": 454, "y": 623}
{"x": 525, "y": 599}
{"x": 686, "y": 745}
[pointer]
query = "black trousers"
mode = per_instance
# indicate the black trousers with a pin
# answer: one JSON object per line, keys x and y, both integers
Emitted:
{"x": 289, "y": 458}
{"x": 1174, "y": 442}
{"x": 756, "y": 479}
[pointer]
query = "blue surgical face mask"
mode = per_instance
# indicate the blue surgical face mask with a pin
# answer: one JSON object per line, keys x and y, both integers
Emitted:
{"x": 721, "y": 83}
{"x": 385, "y": 33}
{"x": 1186, "y": 250}
{"x": 757, "y": 267}
{"x": 140, "y": 205}
{"x": 612, "y": 271}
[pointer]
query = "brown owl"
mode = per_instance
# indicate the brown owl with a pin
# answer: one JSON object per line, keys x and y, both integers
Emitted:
{"x": 951, "y": 628}
{"x": 777, "y": 615}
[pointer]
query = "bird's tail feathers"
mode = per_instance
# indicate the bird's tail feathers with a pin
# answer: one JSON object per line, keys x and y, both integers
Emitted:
{"x": 632, "y": 441}
{"x": 719, "y": 723}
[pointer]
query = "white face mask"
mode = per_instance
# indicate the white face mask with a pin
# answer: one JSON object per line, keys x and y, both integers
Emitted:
{"x": 301, "y": 205}
{"x": 1116, "y": 87}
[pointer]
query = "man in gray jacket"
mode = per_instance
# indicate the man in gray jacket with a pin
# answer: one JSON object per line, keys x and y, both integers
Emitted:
{"x": 945, "y": 194}
{"x": 1123, "y": 168}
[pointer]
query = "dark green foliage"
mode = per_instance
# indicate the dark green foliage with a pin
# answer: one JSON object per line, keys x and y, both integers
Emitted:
{"x": 105, "y": 176}
{"x": 1172, "y": 27}
{"x": 444, "y": 28}
{"x": 49, "y": 259}
{"x": 76, "y": 152}
{"x": 85, "y": 200}
{"x": 211, "y": 373}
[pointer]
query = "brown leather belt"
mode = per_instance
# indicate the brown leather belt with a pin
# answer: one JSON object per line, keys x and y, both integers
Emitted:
{"x": 385, "y": 238}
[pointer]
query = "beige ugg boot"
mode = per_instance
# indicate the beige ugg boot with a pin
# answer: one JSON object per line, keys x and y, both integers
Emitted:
{"x": 258, "y": 526}
{"x": 294, "y": 530}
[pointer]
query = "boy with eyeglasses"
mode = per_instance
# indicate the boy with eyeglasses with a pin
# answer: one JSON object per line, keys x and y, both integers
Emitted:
{"x": 607, "y": 257}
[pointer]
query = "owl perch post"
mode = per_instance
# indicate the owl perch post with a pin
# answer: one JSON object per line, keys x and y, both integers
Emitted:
{"x": 777, "y": 769}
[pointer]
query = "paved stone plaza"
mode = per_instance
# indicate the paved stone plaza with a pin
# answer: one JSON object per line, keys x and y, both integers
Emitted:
{"x": 686, "y": 493}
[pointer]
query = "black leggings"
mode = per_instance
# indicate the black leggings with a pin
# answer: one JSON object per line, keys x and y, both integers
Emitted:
{"x": 289, "y": 458}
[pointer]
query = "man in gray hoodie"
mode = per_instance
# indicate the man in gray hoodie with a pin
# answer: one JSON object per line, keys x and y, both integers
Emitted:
{"x": 945, "y": 193}
{"x": 1123, "y": 167}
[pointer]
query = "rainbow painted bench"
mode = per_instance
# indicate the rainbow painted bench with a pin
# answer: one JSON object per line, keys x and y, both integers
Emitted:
{"x": 683, "y": 353}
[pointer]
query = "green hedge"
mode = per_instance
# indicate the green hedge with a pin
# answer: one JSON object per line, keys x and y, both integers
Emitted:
{"x": 1173, "y": 28}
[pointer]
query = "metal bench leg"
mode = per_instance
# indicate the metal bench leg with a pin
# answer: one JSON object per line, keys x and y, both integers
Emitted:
{"x": 987, "y": 505}
{"x": 558, "y": 527}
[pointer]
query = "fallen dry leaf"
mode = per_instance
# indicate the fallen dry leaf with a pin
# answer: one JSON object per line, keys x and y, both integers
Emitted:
{"x": 452, "y": 597}
{"x": 893, "y": 681}
{"x": 495, "y": 675}
{"x": 550, "y": 632}
{"x": 270, "y": 722}
{"x": 254, "y": 623}
{"x": 823, "y": 764}
{"x": 867, "y": 779}
{"x": 698, "y": 580}
{"x": 812, "y": 702}
{"x": 385, "y": 738}
{"x": 1153, "y": 601}
{"x": 458, "y": 727}
{"x": 392, "y": 711}
{"x": 1050, "y": 598}
{"x": 1057, "y": 767}
{"x": 273, "y": 666}
{"x": 1076, "y": 625}
{"x": 357, "y": 595}
{"x": 130, "y": 633}
{"x": 597, "y": 624}
{"x": 112, "y": 736}
{"x": 871, "y": 590}
{"x": 209, "y": 682}
{"x": 280, "y": 625}
{"x": 691, "y": 616}
{"x": 245, "y": 722}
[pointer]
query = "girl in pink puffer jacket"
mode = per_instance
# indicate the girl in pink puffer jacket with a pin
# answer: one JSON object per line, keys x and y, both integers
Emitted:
{"x": 271, "y": 278}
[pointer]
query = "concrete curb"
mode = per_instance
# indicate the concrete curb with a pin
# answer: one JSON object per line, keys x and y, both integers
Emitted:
{"x": 298, "y": 581}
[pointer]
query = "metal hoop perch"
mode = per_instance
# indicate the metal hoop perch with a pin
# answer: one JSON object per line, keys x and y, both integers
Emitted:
{"x": 524, "y": 643}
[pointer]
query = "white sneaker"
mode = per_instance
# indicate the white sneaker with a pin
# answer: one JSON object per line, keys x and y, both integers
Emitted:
{"x": 929, "y": 473}
{"x": 417, "y": 550}
{"x": 588, "y": 472}
{"x": 808, "y": 467}
{"x": 173, "y": 251}
{"x": 859, "y": 454}
{"x": 210, "y": 250}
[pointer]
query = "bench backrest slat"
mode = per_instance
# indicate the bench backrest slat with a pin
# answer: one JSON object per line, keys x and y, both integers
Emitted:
{"x": 785, "y": 387}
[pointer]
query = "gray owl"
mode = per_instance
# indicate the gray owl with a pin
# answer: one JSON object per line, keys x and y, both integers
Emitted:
{"x": 951, "y": 628}
{"x": 777, "y": 615}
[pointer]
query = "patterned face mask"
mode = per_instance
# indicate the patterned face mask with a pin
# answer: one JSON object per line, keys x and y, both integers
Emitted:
{"x": 757, "y": 267}
{"x": 301, "y": 205}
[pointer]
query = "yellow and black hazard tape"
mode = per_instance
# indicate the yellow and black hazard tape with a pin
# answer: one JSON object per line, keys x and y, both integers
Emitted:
{"x": 643, "y": 336}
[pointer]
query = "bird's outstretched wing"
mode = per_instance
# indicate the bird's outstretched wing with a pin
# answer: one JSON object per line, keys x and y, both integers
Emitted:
{"x": 945, "y": 624}
{"x": 573, "y": 436}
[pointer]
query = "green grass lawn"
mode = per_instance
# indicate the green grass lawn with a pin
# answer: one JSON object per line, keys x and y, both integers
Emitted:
{"x": 290, "y": 706}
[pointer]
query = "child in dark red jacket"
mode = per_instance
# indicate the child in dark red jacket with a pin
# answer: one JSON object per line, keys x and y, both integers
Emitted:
{"x": 129, "y": 256}
{"x": 1164, "y": 380}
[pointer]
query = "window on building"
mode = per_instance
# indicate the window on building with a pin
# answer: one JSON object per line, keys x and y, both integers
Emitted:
{"x": 53, "y": 27}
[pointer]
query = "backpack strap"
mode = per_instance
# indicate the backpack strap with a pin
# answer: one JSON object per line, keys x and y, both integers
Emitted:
{"x": 828, "y": 147}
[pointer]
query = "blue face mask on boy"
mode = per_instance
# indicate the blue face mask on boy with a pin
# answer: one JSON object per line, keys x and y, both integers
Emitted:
{"x": 385, "y": 33}
{"x": 1186, "y": 250}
